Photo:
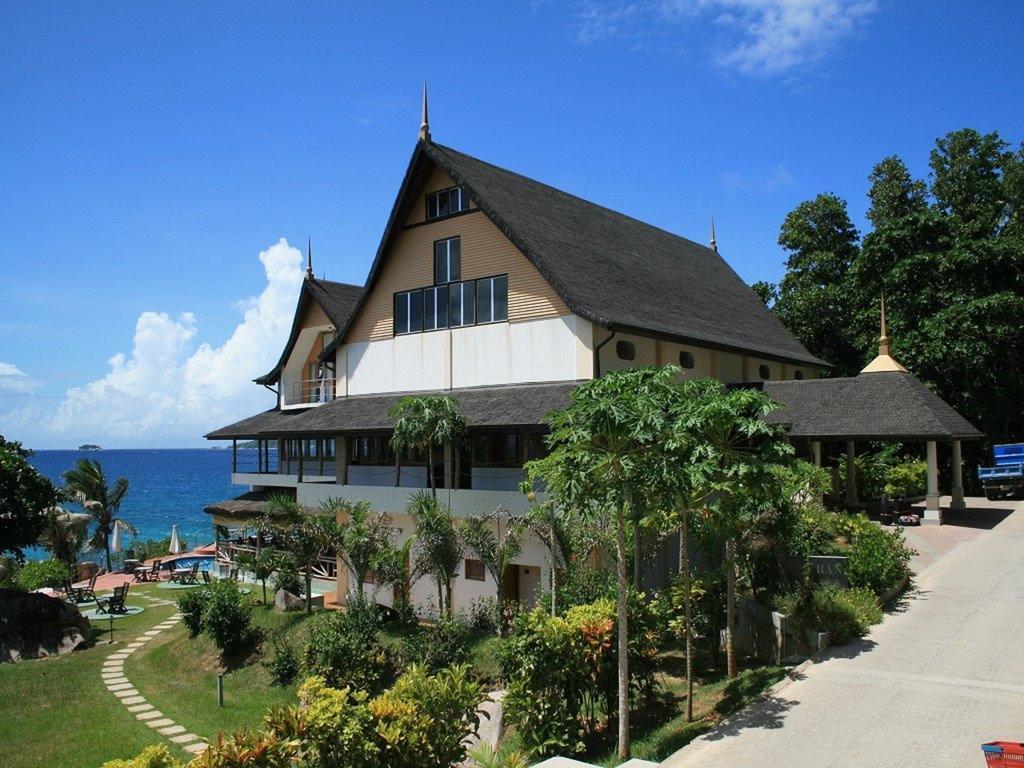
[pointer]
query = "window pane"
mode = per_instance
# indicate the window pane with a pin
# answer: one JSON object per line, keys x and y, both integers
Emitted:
{"x": 483, "y": 299}
{"x": 441, "y": 261}
{"x": 442, "y": 307}
{"x": 401, "y": 313}
{"x": 431, "y": 206}
{"x": 455, "y": 304}
{"x": 416, "y": 311}
{"x": 500, "y": 298}
{"x": 429, "y": 322}
{"x": 442, "y": 204}
{"x": 468, "y": 304}
{"x": 454, "y": 259}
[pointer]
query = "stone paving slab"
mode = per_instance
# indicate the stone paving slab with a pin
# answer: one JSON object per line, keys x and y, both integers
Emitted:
{"x": 150, "y": 715}
{"x": 171, "y": 730}
{"x": 133, "y": 700}
{"x": 140, "y": 708}
{"x": 161, "y": 723}
{"x": 127, "y": 693}
{"x": 196, "y": 748}
{"x": 184, "y": 738}
{"x": 937, "y": 678}
{"x": 119, "y": 686}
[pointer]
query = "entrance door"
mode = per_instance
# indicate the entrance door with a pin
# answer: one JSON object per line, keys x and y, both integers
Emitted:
{"x": 529, "y": 585}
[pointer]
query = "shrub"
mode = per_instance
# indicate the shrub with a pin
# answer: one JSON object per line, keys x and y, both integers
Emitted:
{"x": 482, "y": 616}
{"x": 287, "y": 576}
{"x": 845, "y": 613}
{"x": 155, "y": 756}
{"x": 877, "y": 559}
{"x": 36, "y": 574}
{"x": 250, "y": 749}
{"x": 442, "y": 644}
{"x": 284, "y": 665}
{"x": 344, "y": 650}
{"x": 423, "y": 720}
{"x": 907, "y": 479}
{"x": 191, "y": 605}
{"x": 583, "y": 584}
{"x": 339, "y": 726}
{"x": 227, "y": 615}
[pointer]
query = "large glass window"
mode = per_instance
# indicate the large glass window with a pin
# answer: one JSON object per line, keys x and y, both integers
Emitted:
{"x": 492, "y": 299}
{"x": 409, "y": 312}
{"x": 435, "y": 308}
{"x": 447, "y": 260}
{"x": 445, "y": 202}
{"x": 461, "y": 304}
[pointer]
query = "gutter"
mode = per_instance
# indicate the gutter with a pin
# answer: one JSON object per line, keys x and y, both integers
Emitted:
{"x": 597, "y": 354}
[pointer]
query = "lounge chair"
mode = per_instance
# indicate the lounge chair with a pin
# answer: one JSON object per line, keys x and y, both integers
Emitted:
{"x": 86, "y": 594}
{"x": 115, "y": 603}
{"x": 186, "y": 575}
{"x": 206, "y": 578}
{"x": 149, "y": 574}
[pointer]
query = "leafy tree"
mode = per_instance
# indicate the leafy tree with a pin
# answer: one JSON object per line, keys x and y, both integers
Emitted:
{"x": 307, "y": 537}
{"x": 360, "y": 538}
{"x": 496, "y": 546}
{"x": 87, "y": 483}
{"x": 603, "y": 455}
{"x": 64, "y": 533}
{"x": 423, "y": 422}
{"x": 438, "y": 549}
{"x": 393, "y": 569}
{"x": 261, "y": 565}
{"x": 546, "y": 522}
{"x": 25, "y": 495}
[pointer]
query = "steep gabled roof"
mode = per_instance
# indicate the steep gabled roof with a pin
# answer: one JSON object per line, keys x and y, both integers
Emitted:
{"x": 609, "y": 268}
{"x": 337, "y": 300}
{"x": 886, "y": 405}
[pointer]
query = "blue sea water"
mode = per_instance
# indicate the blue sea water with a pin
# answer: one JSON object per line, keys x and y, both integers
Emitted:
{"x": 166, "y": 486}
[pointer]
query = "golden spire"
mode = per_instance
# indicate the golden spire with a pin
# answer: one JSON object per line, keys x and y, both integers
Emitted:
{"x": 425, "y": 117}
{"x": 713, "y": 243}
{"x": 884, "y": 361}
{"x": 309, "y": 258}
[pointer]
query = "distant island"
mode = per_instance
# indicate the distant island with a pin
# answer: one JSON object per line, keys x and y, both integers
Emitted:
{"x": 89, "y": 447}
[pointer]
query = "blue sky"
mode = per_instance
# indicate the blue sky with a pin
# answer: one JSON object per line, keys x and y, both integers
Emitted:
{"x": 149, "y": 153}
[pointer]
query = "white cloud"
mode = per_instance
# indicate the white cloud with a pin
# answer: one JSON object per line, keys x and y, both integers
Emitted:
{"x": 755, "y": 37}
{"x": 168, "y": 387}
{"x": 13, "y": 379}
{"x": 757, "y": 180}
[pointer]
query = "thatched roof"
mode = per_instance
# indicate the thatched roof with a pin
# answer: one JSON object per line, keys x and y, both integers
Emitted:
{"x": 890, "y": 405}
{"x": 252, "y": 427}
{"x": 611, "y": 269}
{"x": 251, "y": 504}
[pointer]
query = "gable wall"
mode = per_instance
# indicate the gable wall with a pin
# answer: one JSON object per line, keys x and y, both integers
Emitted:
{"x": 485, "y": 252}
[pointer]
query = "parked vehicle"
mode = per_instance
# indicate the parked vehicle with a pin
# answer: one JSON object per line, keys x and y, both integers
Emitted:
{"x": 1006, "y": 478}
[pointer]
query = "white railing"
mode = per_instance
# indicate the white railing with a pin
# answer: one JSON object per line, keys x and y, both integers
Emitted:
{"x": 308, "y": 391}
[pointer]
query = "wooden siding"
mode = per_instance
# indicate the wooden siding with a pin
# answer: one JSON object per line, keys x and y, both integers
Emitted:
{"x": 485, "y": 252}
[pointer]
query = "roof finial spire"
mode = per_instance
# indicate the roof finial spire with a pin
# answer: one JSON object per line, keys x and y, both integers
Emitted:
{"x": 713, "y": 243}
{"x": 425, "y": 118}
{"x": 883, "y": 339}
{"x": 309, "y": 258}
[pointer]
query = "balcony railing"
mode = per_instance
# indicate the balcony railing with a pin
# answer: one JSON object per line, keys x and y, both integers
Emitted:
{"x": 309, "y": 391}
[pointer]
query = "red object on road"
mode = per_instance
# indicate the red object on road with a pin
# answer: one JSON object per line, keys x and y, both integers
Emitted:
{"x": 1004, "y": 754}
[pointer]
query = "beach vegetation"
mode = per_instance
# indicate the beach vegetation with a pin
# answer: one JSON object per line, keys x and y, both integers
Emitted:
{"x": 87, "y": 484}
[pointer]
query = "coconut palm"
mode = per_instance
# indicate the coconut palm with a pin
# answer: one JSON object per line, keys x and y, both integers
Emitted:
{"x": 87, "y": 484}
{"x": 496, "y": 546}
{"x": 360, "y": 537}
{"x": 64, "y": 533}
{"x": 438, "y": 548}
{"x": 421, "y": 424}
{"x": 306, "y": 537}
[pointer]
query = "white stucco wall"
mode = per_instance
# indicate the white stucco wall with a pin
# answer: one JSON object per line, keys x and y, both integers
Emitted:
{"x": 553, "y": 349}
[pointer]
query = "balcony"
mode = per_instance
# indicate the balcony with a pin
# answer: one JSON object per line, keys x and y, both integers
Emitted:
{"x": 306, "y": 392}
{"x": 462, "y": 502}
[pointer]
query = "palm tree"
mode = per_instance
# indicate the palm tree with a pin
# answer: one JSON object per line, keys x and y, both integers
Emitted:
{"x": 423, "y": 422}
{"x": 438, "y": 547}
{"x": 360, "y": 538}
{"x": 496, "y": 549}
{"x": 261, "y": 565}
{"x": 546, "y": 523}
{"x": 306, "y": 537}
{"x": 87, "y": 484}
{"x": 64, "y": 533}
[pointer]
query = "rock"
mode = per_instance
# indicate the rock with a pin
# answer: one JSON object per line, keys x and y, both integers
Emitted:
{"x": 286, "y": 601}
{"x": 33, "y": 625}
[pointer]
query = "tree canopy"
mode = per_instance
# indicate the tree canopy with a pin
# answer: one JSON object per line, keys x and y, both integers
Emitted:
{"x": 25, "y": 495}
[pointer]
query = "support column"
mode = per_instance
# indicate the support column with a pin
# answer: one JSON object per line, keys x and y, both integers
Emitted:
{"x": 341, "y": 458}
{"x": 958, "y": 478}
{"x": 932, "y": 510}
{"x": 448, "y": 464}
{"x": 851, "y": 474}
{"x": 816, "y": 450}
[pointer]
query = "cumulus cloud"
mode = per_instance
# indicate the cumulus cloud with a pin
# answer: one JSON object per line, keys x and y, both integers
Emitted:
{"x": 169, "y": 386}
{"x": 13, "y": 379}
{"x": 754, "y": 37}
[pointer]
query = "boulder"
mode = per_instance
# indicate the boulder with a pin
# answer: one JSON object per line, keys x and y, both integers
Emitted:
{"x": 34, "y": 625}
{"x": 286, "y": 601}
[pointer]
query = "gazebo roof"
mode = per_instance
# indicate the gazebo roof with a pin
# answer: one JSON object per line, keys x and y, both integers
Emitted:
{"x": 878, "y": 405}
{"x": 250, "y": 504}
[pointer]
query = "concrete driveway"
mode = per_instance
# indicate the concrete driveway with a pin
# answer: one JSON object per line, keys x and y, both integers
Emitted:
{"x": 941, "y": 675}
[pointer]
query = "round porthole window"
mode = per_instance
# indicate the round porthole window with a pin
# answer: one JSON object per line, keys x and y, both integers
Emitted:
{"x": 764, "y": 372}
{"x": 686, "y": 360}
{"x": 798, "y": 375}
{"x": 626, "y": 350}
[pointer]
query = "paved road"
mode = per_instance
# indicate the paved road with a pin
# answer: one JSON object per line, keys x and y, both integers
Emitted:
{"x": 927, "y": 687}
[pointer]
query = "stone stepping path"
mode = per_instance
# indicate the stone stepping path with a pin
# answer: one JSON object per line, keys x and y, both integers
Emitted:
{"x": 112, "y": 674}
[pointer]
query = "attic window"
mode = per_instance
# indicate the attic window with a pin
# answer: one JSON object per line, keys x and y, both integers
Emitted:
{"x": 445, "y": 202}
{"x": 686, "y": 360}
{"x": 764, "y": 372}
{"x": 626, "y": 350}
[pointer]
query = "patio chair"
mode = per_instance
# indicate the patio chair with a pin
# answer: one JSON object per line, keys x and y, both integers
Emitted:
{"x": 149, "y": 574}
{"x": 115, "y": 603}
{"x": 206, "y": 578}
{"x": 84, "y": 594}
{"x": 186, "y": 575}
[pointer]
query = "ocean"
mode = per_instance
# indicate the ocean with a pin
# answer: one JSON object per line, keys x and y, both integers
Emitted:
{"x": 166, "y": 486}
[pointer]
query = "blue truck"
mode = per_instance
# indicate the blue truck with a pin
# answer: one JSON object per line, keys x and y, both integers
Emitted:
{"x": 1006, "y": 478}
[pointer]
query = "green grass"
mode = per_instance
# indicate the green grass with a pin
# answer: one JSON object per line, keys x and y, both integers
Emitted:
{"x": 57, "y": 713}
{"x": 178, "y": 676}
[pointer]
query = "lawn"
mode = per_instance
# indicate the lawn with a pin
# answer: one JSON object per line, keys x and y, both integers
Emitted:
{"x": 57, "y": 713}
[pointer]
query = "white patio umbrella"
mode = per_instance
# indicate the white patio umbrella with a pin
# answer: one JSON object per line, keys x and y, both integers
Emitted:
{"x": 175, "y": 547}
{"x": 115, "y": 540}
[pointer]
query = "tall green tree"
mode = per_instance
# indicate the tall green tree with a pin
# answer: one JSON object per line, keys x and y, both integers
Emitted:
{"x": 360, "y": 537}
{"x": 261, "y": 565}
{"x": 497, "y": 542}
{"x": 306, "y": 536}
{"x": 438, "y": 548}
{"x": 25, "y": 495}
{"x": 423, "y": 422}
{"x": 87, "y": 483}
{"x": 548, "y": 524}
{"x": 64, "y": 533}
{"x": 603, "y": 448}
